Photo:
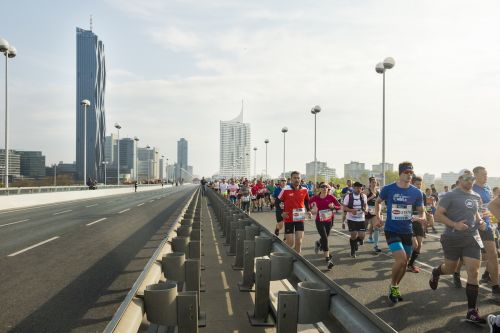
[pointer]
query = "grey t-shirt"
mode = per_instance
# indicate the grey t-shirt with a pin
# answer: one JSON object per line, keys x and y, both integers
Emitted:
{"x": 460, "y": 206}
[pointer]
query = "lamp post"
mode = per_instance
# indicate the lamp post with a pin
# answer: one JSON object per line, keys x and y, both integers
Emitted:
{"x": 149, "y": 160}
{"x": 266, "y": 141}
{"x": 10, "y": 52}
{"x": 380, "y": 68}
{"x": 284, "y": 130}
{"x": 161, "y": 178}
{"x": 255, "y": 161}
{"x": 55, "y": 174}
{"x": 155, "y": 163}
{"x": 118, "y": 127}
{"x": 136, "y": 139}
{"x": 85, "y": 104}
{"x": 315, "y": 110}
{"x": 105, "y": 163}
{"x": 166, "y": 171}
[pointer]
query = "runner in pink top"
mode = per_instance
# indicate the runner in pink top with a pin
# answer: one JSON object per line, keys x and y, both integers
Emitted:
{"x": 322, "y": 205}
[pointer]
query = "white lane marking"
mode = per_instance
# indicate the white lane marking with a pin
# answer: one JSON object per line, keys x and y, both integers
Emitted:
{"x": 89, "y": 224}
{"x": 90, "y": 206}
{"x": 4, "y": 225}
{"x": 33, "y": 246}
{"x": 139, "y": 205}
{"x": 64, "y": 211}
{"x": 151, "y": 200}
{"x": 123, "y": 211}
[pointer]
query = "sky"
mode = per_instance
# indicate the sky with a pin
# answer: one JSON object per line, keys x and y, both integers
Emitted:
{"x": 176, "y": 68}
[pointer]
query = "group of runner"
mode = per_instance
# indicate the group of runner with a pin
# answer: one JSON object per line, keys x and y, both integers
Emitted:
{"x": 467, "y": 211}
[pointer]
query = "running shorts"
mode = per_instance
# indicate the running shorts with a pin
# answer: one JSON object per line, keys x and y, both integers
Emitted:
{"x": 418, "y": 230}
{"x": 399, "y": 242}
{"x": 292, "y": 227}
{"x": 356, "y": 225}
{"x": 455, "y": 248}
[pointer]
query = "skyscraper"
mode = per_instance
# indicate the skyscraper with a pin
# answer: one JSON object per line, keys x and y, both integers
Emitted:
{"x": 182, "y": 158}
{"x": 90, "y": 85}
{"x": 234, "y": 148}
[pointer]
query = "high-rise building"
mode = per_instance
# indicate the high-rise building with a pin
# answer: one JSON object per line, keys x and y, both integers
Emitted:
{"x": 14, "y": 164}
{"x": 449, "y": 178}
{"x": 90, "y": 85}
{"x": 323, "y": 171}
{"x": 109, "y": 147}
{"x": 428, "y": 179}
{"x": 234, "y": 148}
{"x": 182, "y": 158}
{"x": 127, "y": 157}
{"x": 354, "y": 170}
{"x": 148, "y": 163}
{"x": 32, "y": 164}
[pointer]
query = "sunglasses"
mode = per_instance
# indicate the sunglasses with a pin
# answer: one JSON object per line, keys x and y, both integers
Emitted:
{"x": 468, "y": 178}
{"x": 323, "y": 186}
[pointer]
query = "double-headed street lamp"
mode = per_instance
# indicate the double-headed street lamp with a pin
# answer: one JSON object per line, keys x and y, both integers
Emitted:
{"x": 380, "y": 68}
{"x": 266, "y": 141}
{"x": 315, "y": 110}
{"x": 136, "y": 139}
{"x": 118, "y": 127}
{"x": 105, "y": 163}
{"x": 284, "y": 130}
{"x": 85, "y": 103}
{"x": 149, "y": 160}
{"x": 10, "y": 52}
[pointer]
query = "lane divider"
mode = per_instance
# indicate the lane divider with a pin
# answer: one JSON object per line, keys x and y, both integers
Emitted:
{"x": 91, "y": 206}
{"x": 89, "y": 224}
{"x": 139, "y": 205}
{"x": 4, "y": 225}
{"x": 123, "y": 211}
{"x": 64, "y": 211}
{"x": 33, "y": 246}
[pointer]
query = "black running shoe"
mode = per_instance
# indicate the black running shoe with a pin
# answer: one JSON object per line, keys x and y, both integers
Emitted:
{"x": 433, "y": 282}
{"x": 474, "y": 317}
{"x": 394, "y": 294}
{"x": 456, "y": 280}
{"x": 485, "y": 278}
{"x": 316, "y": 247}
{"x": 361, "y": 241}
{"x": 353, "y": 253}
{"x": 329, "y": 265}
{"x": 376, "y": 249}
{"x": 494, "y": 328}
{"x": 277, "y": 232}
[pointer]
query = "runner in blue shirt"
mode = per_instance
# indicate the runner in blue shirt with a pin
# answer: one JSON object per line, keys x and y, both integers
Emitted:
{"x": 399, "y": 197}
{"x": 274, "y": 197}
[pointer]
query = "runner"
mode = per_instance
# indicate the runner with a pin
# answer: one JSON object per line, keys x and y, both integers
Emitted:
{"x": 372, "y": 194}
{"x": 459, "y": 211}
{"x": 418, "y": 226}
{"x": 279, "y": 211}
{"x": 233, "y": 191}
{"x": 261, "y": 193}
{"x": 245, "y": 197}
{"x": 355, "y": 205}
{"x": 270, "y": 190}
{"x": 322, "y": 206}
{"x": 399, "y": 198}
{"x": 295, "y": 202}
{"x": 430, "y": 208}
{"x": 223, "y": 186}
{"x": 345, "y": 191}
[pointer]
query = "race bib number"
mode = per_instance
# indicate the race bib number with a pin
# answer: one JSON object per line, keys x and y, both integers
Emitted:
{"x": 245, "y": 198}
{"x": 299, "y": 214}
{"x": 359, "y": 214}
{"x": 325, "y": 215}
{"x": 401, "y": 212}
{"x": 371, "y": 210}
{"x": 479, "y": 240}
{"x": 232, "y": 193}
{"x": 254, "y": 197}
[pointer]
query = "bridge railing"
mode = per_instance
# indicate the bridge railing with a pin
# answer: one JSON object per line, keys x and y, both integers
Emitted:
{"x": 49, "y": 189}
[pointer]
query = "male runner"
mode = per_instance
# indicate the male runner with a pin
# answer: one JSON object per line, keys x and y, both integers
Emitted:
{"x": 295, "y": 202}
{"x": 355, "y": 204}
{"x": 279, "y": 211}
{"x": 399, "y": 197}
{"x": 233, "y": 190}
{"x": 345, "y": 191}
{"x": 223, "y": 186}
{"x": 418, "y": 226}
{"x": 459, "y": 211}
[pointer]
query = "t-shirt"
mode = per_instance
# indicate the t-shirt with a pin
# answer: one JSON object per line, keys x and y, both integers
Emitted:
{"x": 325, "y": 213}
{"x": 415, "y": 207}
{"x": 233, "y": 189}
{"x": 270, "y": 188}
{"x": 399, "y": 202}
{"x": 294, "y": 203}
{"x": 461, "y": 205}
{"x": 486, "y": 194}
{"x": 356, "y": 204}
{"x": 275, "y": 194}
{"x": 223, "y": 187}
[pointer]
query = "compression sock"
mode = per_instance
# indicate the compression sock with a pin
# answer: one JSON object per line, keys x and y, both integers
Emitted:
{"x": 353, "y": 243}
{"x": 376, "y": 233}
{"x": 471, "y": 290}
{"x": 413, "y": 257}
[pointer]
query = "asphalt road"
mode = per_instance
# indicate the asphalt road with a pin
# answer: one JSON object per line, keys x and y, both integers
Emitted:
{"x": 67, "y": 267}
{"x": 367, "y": 278}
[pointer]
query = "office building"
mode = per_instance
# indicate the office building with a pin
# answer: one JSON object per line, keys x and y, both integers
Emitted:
{"x": 14, "y": 164}
{"x": 109, "y": 148}
{"x": 234, "y": 148}
{"x": 182, "y": 158}
{"x": 32, "y": 164}
{"x": 354, "y": 170}
{"x": 449, "y": 178}
{"x": 324, "y": 173}
{"x": 428, "y": 179}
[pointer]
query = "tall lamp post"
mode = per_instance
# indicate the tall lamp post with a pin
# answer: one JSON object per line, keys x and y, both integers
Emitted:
{"x": 118, "y": 127}
{"x": 284, "y": 130}
{"x": 166, "y": 171}
{"x": 149, "y": 160}
{"x": 10, "y": 52}
{"x": 266, "y": 141}
{"x": 105, "y": 163}
{"x": 55, "y": 174}
{"x": 380, "y": 68}
{"x": 315, "y": 110}
{"x": 255, "y": 161}
{"x": 161, "y": 178}
{"x": 136, "y": 139}
{"x": 155, "y": 164}
{"x": 85, "y": 103}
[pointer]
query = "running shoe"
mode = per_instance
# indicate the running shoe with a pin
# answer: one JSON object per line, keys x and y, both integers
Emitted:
{"x": 413, "y": 269}
{"x": 360, "y": 242}
{"x": 394, "y": 294}
{"x": 400, "y": 298}
{"x": 329, "y": 265}
{"x": 494, "y": 328}
{"x": 456, "y": 280}
{"x": 433, "y": 282}
{"x": 277, "y": 232}
{"x": 316, "y": 247}
{"x": 485, "y": 278}
{"x": 353, "y": 253}
{"x": 376, "y": 249}
{"x": 474, "y": 317}
{"x": 369, "y": 240}
{"x": 328, "y": 258}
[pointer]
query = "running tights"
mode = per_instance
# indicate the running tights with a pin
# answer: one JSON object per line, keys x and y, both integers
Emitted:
{"x": 324, "y": 231}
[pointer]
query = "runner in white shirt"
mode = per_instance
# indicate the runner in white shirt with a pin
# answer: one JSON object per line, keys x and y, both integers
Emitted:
{"x": 223, "y": 186}
{"x": 355, "y": 204}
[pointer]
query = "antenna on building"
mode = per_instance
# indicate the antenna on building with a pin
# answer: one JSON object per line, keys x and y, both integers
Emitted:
{"x": 91, "y": 22}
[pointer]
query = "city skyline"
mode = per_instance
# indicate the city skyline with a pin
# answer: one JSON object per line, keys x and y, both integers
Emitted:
{"x": 195, "y": 75}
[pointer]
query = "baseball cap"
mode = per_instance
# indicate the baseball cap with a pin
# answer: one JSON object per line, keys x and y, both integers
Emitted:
{"x": 464, "y": 172}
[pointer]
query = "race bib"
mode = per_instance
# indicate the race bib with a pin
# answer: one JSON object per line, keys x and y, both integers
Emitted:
{"x": 479, "y": 240}
{"x": 359, "y": 214}
{"x": 232, "y": 193}
{"x": 254, "y": 197}
{"x": 371, "y": 210}
{"x": 245, "y": 198}
{"x": 325, "y": 215}
{"x": 299, "y": 215}
{"x": 401, "y": 212}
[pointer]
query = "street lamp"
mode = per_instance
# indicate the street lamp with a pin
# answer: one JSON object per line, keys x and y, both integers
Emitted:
{"x": 284, "y": 130}
{"x": 167, "y": 171}
{"x": 10, "y": 52}
{"x": 162, "y": 158}
{"x": 266, "y": 141}
{"x": 118, "y": 127}
{"x": 149, "y": 160}
{"x": 380, "y": 68}
{"x": 136, "y": 139}
{"x": 105, "y": 163}
{"x": 315, "y": 110}
{"x": 55, "y": 174}
{"x": 155, "y": 162}
{"x": 85, "y": 104}
{"x": 255, "y": 161}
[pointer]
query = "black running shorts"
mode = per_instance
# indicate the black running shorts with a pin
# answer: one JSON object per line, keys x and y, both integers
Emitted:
{"x": 418, "y": 230}
{"x": 292, "y": 227}
{"x": 456, "y": 247}
{"x": 356, "y": 225}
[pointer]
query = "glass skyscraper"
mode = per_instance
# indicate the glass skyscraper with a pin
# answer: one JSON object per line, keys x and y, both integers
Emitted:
{"x": 234, "y": 148}
{"x": 91, "y": 85}
{"x": 182, "y": 158}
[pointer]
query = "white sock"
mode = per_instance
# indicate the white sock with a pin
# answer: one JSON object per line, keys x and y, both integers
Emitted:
{"x": 497, "y": 320}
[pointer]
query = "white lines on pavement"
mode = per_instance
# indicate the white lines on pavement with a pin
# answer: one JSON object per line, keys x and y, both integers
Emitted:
{"x": 4, "y": 225}
{"x": 89, "y": 224}
{"x": 33, "y": 246}
{"x": 123, "y": 211}
{"x": 139, "y": 205}
{"x": 64, "y": 211}
{"x": 90, "y": 206}
{"x": 151, "y": 200}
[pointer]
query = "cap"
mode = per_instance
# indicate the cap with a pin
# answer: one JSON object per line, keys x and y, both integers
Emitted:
{"x": 357, "y": 184}
{"x": 464, "y": 172}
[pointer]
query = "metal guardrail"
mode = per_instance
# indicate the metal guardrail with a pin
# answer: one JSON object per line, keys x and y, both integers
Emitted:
{"x": 150, "y": 274}
{"x": 345, "y": 309}
{"x": 49, "y": 189}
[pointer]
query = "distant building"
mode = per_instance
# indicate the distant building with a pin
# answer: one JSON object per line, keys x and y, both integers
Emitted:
{"x": 449, "y": 178}
{"x": 377, "y": 169}
{"x": 14, "y": 164}
{"x": 32, "y": 164}
{"x": 428, "y": 179}
{"x": 109, "y": 148}
{"x": 323, "y": 171}
{"x": 355, "y": 170}
{"x": 148, "y": 163}
{"x": 62, "y": 168}
{"x": 182, "y": 158}
{"x": 234, "y": 148}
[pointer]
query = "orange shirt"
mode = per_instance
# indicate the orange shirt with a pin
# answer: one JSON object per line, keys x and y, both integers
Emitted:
{"x": 294, "y": 202}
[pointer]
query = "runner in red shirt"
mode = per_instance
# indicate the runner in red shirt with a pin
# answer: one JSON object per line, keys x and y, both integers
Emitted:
{"x": 295, "y": 202}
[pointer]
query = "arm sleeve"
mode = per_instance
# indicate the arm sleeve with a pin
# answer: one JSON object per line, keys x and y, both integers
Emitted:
{"x": 280, "y": 196}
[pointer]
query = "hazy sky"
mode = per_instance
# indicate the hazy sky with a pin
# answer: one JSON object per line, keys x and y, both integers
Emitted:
{"x": 176, "y": 68}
